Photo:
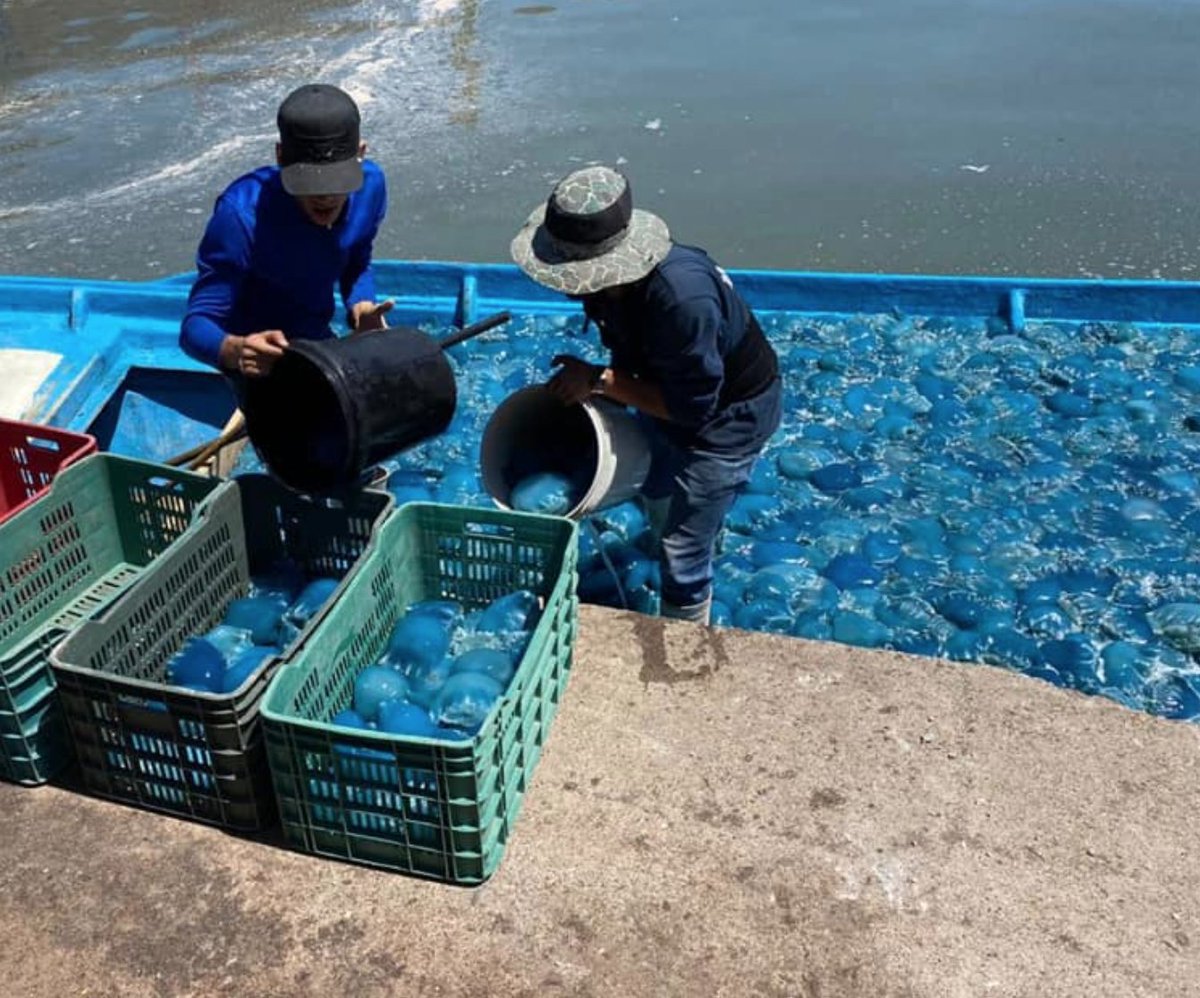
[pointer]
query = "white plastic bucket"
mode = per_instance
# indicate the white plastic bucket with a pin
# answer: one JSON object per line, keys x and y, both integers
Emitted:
{"x": 597, "y": 433}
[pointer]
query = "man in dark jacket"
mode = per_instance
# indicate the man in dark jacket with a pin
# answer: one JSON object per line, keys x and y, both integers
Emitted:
{"x": 283, "y": 237}
{"x": 685, "y": 350}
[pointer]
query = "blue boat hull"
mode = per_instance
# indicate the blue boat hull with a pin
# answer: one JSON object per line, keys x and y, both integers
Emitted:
{"x": 112, "y": 337}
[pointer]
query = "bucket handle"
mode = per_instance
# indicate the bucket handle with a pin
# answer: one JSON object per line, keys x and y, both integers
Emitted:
{"x": 475, "y": 329}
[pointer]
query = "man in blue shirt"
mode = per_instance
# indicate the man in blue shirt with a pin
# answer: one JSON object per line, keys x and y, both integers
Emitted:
{"x": 686, "y": 351}
{"x": 281, "y": 238}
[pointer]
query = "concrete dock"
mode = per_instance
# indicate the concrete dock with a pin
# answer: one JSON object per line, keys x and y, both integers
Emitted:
{"x": 717, "y": 813}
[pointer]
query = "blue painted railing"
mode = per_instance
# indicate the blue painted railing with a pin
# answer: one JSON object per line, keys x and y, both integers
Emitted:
{"x": 103, "y": 329}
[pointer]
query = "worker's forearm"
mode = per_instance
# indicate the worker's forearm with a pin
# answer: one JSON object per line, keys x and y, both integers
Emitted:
{"x": 202, "y": 338}
{"x": 230, "y": 352}
{"x": 628, "y": 390}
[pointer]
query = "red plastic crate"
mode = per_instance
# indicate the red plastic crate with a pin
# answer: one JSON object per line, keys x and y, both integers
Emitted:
{"x": 30, "y": 456}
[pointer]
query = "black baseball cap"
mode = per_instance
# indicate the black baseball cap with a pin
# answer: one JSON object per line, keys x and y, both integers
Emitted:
{"x": 318, "y": 138}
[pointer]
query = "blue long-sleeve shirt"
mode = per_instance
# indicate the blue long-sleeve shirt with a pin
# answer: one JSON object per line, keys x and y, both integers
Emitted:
{"x": 263, "y": 265}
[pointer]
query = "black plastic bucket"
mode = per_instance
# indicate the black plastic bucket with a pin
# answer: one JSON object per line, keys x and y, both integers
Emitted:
{"x": 331, "y": 408}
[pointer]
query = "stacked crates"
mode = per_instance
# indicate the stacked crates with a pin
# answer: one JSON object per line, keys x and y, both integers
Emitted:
{"x": 105, "y": 577}
{"x": 64, "y": 557}
{"x": 436, "y": 808}
{"x": 142, "y": 741}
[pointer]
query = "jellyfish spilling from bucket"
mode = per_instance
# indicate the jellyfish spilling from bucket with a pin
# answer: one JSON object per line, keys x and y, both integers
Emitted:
{"x": 539, "y": 455}
{"x": 939, "y": 486}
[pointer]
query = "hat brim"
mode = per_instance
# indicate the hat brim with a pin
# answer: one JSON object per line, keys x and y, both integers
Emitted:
{"x": 644, "y": 246}
{"x": 323, "y": 179}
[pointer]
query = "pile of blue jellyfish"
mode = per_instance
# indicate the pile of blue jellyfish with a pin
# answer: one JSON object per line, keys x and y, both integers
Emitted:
{"x": 443, "y": 669}
{"x": 254, "y": 629}
{"x": 439, "y": 676}
{"x": 945, "y": 487}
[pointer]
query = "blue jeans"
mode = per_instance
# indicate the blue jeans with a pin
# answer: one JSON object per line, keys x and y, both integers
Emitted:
{"x": 702, "y": 481}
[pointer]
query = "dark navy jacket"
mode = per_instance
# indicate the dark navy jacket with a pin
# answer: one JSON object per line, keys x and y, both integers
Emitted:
{"x": 263, "y": 265}
{"x": 675, "y": 329}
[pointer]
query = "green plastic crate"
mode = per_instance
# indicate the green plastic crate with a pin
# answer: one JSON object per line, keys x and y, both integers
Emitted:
{"x": 439, "y": 809}
{"x": 140, "y": 740}
{"x": 63, "y": 558}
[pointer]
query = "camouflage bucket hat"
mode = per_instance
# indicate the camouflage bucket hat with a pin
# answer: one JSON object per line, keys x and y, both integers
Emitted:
{"x": 588, "y": 236}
